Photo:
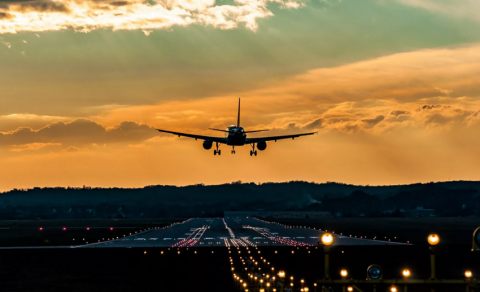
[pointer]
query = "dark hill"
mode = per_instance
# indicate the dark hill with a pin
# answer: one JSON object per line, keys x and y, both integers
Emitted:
{"x": 458, "y": 198}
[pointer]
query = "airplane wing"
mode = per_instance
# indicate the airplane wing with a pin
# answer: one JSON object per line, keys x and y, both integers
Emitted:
{"x": 275, "y": 138}
{"x": 208, "y": 138}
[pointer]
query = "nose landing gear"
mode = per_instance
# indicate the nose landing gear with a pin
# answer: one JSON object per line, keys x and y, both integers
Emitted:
{"x": 233, "y": 149}
{"x": 217, "y": 151}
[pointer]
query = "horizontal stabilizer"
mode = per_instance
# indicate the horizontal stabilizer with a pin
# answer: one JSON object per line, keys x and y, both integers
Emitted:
{"x": 256, "y": 131}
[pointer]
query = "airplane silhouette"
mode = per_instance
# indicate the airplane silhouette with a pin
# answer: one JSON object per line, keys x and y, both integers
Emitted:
{"x": 237, "y": 136}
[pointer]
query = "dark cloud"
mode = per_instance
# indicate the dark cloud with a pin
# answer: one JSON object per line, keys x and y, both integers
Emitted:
{"x": 72, "y": 149}
{"x": 315, "y": 124}
{"x": 398, "y": 113}
{"x": 4, "y": 15}
{"x": 432, "y": 106}
{"x": 440, "y": 119}
{"x": 34, "y": 5}
{"x": 120, "y": 3}
{"x": 339, "y": 120}
{"x": 373, "y": 122}
{"x": 350, "y": 128}
{"x": 78, "y": 133}
{"x": 459, "y": 117}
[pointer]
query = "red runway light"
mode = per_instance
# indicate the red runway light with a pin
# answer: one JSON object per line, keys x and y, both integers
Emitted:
{"x": 64, "y": 228}
{"x": 88, "y": 228}
{"x": 111, "y": 228}
{"x": 41, "y": 228}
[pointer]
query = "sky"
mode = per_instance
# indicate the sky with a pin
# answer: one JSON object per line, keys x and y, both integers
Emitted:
{"x": 391, "y": 86}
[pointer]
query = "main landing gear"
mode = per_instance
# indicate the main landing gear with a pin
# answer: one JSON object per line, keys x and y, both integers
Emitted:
{"x": 253, "y": 151}
{"x": 215, "y": 152}
{"x": 233, "y": 150}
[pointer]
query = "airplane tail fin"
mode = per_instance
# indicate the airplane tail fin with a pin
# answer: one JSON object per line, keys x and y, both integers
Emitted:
{"x": 238, "y": 117}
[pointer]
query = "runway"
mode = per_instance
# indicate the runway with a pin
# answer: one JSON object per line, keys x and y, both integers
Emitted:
{"x": 225, "y": 232}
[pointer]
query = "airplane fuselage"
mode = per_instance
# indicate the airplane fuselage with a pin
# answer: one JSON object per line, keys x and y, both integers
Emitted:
{"x": 236, "y": 136}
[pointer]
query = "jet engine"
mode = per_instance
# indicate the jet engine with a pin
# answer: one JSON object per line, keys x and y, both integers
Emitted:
{"x": 262, "y": 146}
{"x": 207, "y": 145}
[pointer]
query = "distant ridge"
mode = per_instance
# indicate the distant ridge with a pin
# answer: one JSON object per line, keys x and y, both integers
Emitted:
{"x": 448, "y": 198}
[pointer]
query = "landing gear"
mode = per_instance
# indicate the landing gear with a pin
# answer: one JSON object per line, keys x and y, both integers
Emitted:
{"x": 217, "y": 151}
{"x": 253, "y": 151}
{"x": 233, "y": 150}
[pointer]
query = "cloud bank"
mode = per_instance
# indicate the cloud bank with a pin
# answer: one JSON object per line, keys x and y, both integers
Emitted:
{"x": 85, "y": 16}
{"x": 77, "y": 133}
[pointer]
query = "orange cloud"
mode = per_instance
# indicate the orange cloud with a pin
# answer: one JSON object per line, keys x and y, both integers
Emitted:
{"x": 358, "y": 96}
{"x": 32, "y": 146}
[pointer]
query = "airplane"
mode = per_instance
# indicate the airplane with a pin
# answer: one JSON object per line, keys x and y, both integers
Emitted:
{"x": 237, "y": 136}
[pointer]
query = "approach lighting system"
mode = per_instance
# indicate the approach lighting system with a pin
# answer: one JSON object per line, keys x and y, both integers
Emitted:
{"x": 468, "y": 274}
{"x": 476, "y": 240}
{"x": 406, "y": 273}
{"x": 327, "y": 238}
{"x": 349, "y": 288}
{"x": 281, "y": 274}
{"x": 433, "y": 239}
{"x": 393, "y": 289}
{"x": 343, "y": 273}
{"x": 374, "y": 272}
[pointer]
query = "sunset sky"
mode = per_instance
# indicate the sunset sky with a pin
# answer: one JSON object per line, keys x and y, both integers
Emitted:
{"x": 391, "y": 86}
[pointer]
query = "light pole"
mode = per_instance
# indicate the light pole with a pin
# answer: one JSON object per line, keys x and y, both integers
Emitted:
{"x": 406, "y": 274}
{"x": 468, "y": 275}
{"x": 344, "y": 274}
{"x": 433, "y": 240}
{"x": 327, "y": 240}
{"x": 281, "y": 275}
